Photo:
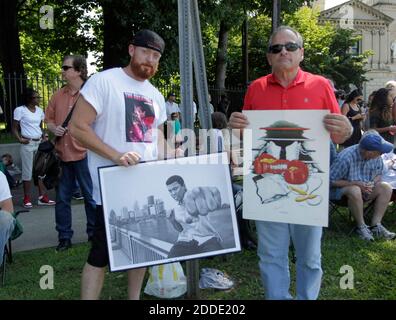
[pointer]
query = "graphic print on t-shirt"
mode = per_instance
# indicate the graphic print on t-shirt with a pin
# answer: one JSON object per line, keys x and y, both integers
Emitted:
{"x": 139, "y": 118}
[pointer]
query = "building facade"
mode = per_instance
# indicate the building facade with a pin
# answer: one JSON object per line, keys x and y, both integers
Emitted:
{"x": 375, "y": 21}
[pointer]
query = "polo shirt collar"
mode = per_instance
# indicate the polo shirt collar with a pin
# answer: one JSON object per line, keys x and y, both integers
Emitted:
{"x": 69, "y": 91}
{"x": 300, "y": 78}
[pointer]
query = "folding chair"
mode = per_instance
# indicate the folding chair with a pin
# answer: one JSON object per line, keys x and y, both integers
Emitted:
{"x": 336, "y": 205}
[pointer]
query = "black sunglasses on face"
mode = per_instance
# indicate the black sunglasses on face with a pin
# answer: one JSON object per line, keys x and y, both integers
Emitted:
{"x": 290, "y": 46}
{"x": 65, "y": 68}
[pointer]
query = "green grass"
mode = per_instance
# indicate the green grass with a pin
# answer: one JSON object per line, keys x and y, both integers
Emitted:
{"x": 374, "y": 266}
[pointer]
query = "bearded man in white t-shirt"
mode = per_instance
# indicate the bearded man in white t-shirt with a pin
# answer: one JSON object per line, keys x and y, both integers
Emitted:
{"x": 103, "y": 121}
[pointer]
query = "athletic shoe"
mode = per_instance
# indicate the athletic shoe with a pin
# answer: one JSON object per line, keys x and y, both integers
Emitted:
{"x": 78, "y": 196}
{"x": 379, "y": 231}
{"x": 364, "y": 233}
{"x": 44, "y": 201}
{"x": 213, "y": 278}
{"x": 27, "y": 203}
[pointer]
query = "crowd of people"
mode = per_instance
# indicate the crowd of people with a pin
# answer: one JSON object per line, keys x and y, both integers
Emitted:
{"x": 84, "y": 117}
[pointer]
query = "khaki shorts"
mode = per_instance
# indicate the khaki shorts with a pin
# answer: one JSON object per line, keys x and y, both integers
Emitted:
{"x": 27, "y": 153}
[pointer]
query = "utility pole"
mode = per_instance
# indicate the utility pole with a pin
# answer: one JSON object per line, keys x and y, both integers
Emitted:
{"x": 245, "y": 54}
{"x": 191, "y": 54}
{"x": 276, "y": 9}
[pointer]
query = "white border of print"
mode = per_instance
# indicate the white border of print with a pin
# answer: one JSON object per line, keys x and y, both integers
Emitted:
{"x": 268, "y": 196}
{"x": 125, "y": 193}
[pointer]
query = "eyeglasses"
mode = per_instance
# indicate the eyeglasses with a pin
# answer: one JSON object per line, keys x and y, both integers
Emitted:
{"x": 65, "y": 68}
{"x": 290, "y": 46}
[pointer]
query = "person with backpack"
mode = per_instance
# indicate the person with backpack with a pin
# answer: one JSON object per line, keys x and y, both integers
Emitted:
{"x": 72, "y": 155}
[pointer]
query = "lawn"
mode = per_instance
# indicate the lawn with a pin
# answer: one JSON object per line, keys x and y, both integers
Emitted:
{"x": 373, "y": 264}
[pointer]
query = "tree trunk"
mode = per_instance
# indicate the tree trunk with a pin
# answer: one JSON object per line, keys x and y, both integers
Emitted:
{"x": 113, "y": 50}
{"x": 10, "y": 57}
{"x": 221, "y": 57}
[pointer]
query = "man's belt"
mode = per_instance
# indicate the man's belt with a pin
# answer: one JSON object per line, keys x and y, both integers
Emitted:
{"x": 38, "y": 139}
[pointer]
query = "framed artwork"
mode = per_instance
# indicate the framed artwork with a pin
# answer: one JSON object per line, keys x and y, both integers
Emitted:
{"x": 169, "y": 210}
{"x": 286, "y": 167}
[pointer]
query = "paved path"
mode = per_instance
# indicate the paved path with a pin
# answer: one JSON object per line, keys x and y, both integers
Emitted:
{"x": 39, "y": 223}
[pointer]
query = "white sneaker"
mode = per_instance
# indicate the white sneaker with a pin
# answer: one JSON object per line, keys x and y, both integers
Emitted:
{"x": 379, "y": 231}
{"x": 213, "y": 278}
{"x": 364, "y": 233}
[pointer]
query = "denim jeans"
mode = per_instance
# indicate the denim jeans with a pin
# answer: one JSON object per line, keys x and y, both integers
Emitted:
{"x": 7, "y": 223}
{"x": 273, "y": 249}
{"x": 63, "y": 216}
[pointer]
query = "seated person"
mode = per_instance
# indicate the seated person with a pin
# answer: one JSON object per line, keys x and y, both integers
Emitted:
{"x": 356, "y": 175}
{"x": 12, "y": 172}
{"x": 7, "y": 222}
{"x": 389, "y": 174}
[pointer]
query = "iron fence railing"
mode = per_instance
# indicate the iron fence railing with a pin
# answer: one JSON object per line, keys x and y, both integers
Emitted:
{"x": 12, "y": 85}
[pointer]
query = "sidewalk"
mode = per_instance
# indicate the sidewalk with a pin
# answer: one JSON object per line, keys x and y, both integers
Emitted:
{"x": 39, "y": 223}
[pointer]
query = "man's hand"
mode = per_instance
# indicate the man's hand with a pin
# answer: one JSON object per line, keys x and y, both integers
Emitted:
{"x": 60, "y": 131}
{"x": 127, "y": 159}
{"x": 202, "y": 200}
{"x": 24, "y": 141}
{"x": 238, "y": 121}
{"x": 339, "y": 127}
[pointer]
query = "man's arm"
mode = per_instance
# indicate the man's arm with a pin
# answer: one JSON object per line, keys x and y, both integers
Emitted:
{"x": 80, "y": 128}
{"x": 15, "y": 131}
{"x": 7, "y": 205}
{"x": 49, "y": 119}
{"x": 174, "y": 222}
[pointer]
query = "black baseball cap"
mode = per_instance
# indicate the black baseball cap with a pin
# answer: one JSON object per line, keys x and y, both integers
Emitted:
{"x": 149, "y": 39}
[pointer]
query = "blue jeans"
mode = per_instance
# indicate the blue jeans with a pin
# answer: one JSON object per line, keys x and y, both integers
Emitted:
{"x": 273, "y": 249}
{"x": 7, "y": 223}
{"x": 63, "y": 216}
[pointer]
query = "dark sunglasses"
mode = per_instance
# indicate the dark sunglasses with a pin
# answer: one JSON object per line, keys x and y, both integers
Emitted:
{"x": 65, "y": 68}
{"x": 290, "y": 46}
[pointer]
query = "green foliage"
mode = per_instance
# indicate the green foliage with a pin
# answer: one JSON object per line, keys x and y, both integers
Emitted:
{"x": 327, "y": 49}
{"x": 374, "y": 266}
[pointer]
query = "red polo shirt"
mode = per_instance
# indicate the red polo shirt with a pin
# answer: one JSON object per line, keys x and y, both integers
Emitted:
{"x": 307, "y": 91}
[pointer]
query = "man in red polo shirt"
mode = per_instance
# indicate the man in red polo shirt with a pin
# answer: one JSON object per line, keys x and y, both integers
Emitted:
{"x": 290, "y": 88}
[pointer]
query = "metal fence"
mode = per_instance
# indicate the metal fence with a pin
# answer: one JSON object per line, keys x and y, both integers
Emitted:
{"x": 12, "y": 85}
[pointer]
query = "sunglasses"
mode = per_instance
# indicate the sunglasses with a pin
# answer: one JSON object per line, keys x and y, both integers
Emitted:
{"x": 290, "y": 46}
{"x": 65, "y": 68}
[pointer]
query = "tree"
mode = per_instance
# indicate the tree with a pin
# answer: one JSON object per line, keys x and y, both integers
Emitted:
{"x": 125, "y": 17}
{"x": 328, "y": 49}
{"x": 10, "y": 51}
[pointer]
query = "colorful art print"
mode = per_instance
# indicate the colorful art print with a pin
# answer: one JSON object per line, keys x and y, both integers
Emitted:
{"x": 286, "y": 167}
{"x": 140, "y": 115}
{"x": 170, "y": 210}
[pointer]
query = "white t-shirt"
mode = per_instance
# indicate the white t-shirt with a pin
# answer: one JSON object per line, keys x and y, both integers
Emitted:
{"x": 171, "y": 107}
{"x": 29, "y": 121}
{"x": 128, "y": 114}
{"x": 389, "y": 174}
{"x": 4, "y": 188}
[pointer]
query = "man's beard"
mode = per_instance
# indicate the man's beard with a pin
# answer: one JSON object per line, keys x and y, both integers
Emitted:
{"x": 143, "y": 71}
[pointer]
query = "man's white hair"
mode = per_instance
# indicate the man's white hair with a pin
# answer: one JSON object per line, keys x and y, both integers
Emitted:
{"x": 391, "y": 84}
